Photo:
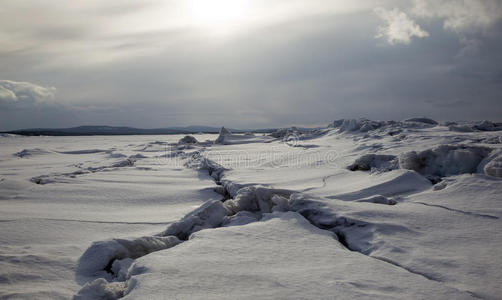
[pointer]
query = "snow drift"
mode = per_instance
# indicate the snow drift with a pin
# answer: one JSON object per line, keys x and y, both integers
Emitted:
{"x": 444, "y": 160}
{"x": 101, "y": 255}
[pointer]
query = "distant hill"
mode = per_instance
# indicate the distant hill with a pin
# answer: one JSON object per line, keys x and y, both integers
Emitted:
{"x": 121, "y": 130}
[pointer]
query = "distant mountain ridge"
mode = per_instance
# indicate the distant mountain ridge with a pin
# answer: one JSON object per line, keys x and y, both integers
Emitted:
{"x": 123, "y": 130}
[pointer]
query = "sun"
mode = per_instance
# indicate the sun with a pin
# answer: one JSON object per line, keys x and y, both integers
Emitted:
{"x": 218, "y": 15}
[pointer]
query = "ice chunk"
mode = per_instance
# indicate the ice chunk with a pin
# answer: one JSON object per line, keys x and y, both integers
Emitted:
{"x": 100, "y": 289}
{"x": 488, "y": 126}
{"x": 223, "y": 134}
{"x": 209, "y": 215}
{"x": 188, "y": 139}
{"x": 444, "y": 160}
{"x": 120, "y": 268}
{"x": 102, "y": 254}
{"x": 255, "y": 199}
{"x": 494, "y": 167}
{"x": 227, "y": 138}
{"x": 284, "y": 132}
{"x": 375, "y": 162}
{"x": 240, "y": 218}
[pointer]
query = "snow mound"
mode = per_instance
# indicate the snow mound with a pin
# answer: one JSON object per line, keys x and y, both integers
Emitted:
{"x": 31, "y": 152}
{"x": 256, "y": 198}
{"x": 101, "y": 289}
{"x": 444, "y": 160}
{"x": 422, "y": 120}
{"x": 240, "y": 218}
{"x": 188, "y": 139}
{"x": 492, "y": 165}
{"x": 101, "y": 255}
{"x": 375, "y": 162}
{"x": 210, "y": 215}
{"x": 400, "y": 182}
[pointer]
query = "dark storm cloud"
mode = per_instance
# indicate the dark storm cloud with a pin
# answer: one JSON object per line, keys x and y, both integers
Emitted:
{"x": 306, "y": 69}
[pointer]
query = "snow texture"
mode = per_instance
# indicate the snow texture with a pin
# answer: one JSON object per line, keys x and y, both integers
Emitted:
{"x": 123, "y": 218}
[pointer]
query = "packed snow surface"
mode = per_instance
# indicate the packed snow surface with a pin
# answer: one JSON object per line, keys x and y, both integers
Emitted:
{"x": 360, "y": 209}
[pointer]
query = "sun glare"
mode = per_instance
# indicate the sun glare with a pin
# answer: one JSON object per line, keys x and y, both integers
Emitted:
{"x": 218, "y": 15}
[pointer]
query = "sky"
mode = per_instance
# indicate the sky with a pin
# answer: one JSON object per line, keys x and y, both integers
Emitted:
{"x": 247, "y": 63}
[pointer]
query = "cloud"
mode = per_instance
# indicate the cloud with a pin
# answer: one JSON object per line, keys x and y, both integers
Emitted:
{"x": 14, "y": 91}
{"x": 398, "y": 27}
{"x": 461, "y": 16}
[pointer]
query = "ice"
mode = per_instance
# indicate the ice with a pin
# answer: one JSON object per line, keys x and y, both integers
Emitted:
{"x": 280, "y": 257}
{"x": 284, "y": 132}
{"x": 224, "y": 134}
{"x": 255, "y": 199}
{"x": 445, "y": 160}
{"x": 211, "y": 214}
{"x": 188, "y": 139}
{"x": 476, "y": 126}
{"x": 375, "y": 162}
{"x": 145, "y": 217}
{"x": 101, "y": 289}
{"x": 225, "y": 137}
{"x": 240, "y": 218}
{"x": 494, "y": 166}
{"x": 101, "y": 255}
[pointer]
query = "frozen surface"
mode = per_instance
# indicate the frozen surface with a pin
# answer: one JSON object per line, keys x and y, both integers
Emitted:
{"x": 282, "y": 256}
{"x": 360, "y": 209}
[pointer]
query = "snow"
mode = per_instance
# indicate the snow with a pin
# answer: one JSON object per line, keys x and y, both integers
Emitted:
{"x": 359, "y": 209}
{"x": 445, "y": 160}
{"x": 375, "y": 162}
{"x": 281, "y": 256}
{"x": 476, "y": 126}
{"x": 100, "y": 254}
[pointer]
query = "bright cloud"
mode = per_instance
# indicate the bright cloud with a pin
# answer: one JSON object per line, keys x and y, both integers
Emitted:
{"x": 398, "y": 27}
{"x": 25, "y": 91}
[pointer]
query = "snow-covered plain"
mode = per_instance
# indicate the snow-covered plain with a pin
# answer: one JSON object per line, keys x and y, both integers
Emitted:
{"x": 359, "y": 209}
